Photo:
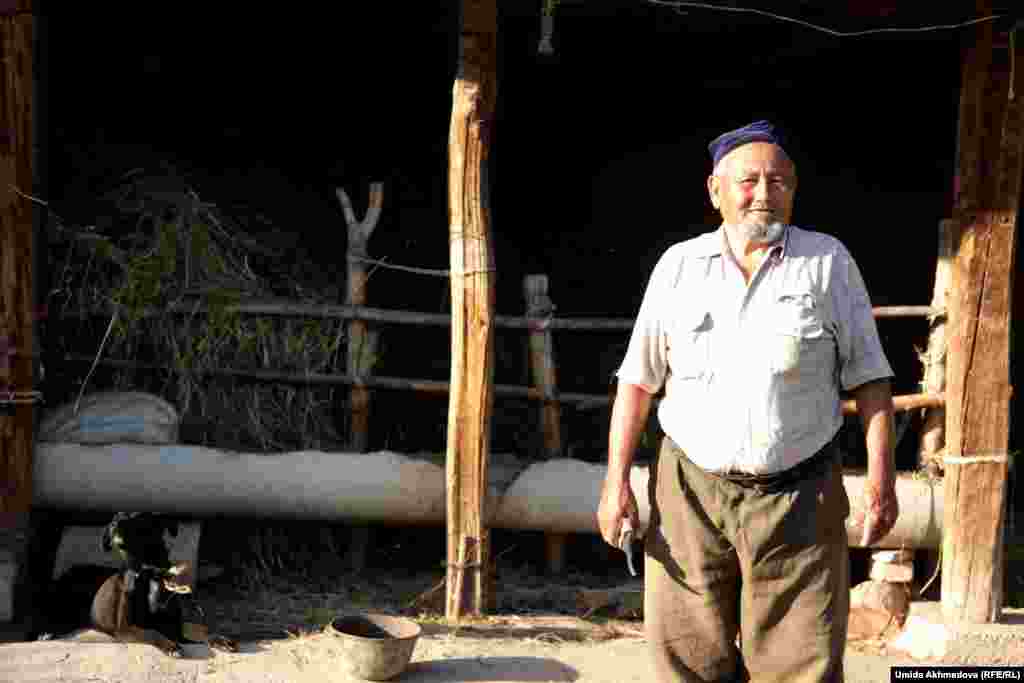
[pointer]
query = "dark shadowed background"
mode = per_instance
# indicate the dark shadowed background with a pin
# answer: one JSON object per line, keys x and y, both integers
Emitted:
{"x": 598, "y": 157}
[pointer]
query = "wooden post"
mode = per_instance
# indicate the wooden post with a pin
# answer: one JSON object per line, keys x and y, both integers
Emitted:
{"x": 18, "y": 394}
{"x": 978, "y": 393}
{"x": 471, "y": 392}
{"x": 362, "y": 344}
{"x": 539, "y": 310}
{"x": 933, "y": 360}
{"x": 932, "y": 444}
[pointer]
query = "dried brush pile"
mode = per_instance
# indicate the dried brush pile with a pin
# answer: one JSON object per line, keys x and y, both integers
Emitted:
{"x": 144, "y": 298}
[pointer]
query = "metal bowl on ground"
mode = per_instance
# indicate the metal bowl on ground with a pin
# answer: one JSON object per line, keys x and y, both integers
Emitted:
{"x": 376, "y": 647}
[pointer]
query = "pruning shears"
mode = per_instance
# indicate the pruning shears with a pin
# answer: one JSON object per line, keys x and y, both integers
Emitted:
{"x": 626, "y": 534}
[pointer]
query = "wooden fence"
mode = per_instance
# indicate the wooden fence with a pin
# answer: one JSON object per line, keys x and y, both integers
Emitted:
{"x": 542, "y": 352}
{"x": 540, "y": 323}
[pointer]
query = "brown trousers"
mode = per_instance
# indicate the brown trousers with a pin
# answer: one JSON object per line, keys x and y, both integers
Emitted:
{"x": 723, "y": 559}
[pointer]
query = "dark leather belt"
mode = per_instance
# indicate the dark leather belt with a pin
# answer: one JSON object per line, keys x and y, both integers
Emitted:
{"x": 811, "y": 468}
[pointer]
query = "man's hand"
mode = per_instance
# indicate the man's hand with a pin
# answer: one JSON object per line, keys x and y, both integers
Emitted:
{"x": 617, "y": 505}
{"x": 629, "y": 416}
{"x": 880, "y": 506}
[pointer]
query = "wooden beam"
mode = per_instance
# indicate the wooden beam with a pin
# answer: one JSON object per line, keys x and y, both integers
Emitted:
{"x": 18, "y": 395}
{"x": 472, "y": 284}
{"x": 17, "y": 256}
{"x": 991, "y": 141}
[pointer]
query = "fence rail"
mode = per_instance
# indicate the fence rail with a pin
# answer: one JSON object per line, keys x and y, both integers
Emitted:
{"x": 583, "y": 401}
{"x": 385, "y": 315}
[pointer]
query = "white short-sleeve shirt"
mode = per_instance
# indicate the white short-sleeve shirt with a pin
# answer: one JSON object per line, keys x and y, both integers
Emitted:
{"x": 752, "y": 373}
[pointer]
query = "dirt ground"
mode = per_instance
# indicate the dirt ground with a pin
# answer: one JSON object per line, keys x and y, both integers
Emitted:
{"x": 513, "y": 650}
{"x": 537, "y": 634}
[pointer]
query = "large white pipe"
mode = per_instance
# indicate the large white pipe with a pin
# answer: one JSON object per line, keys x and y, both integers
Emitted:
{"x": 192, "y": 480}
{"x": 561, "y": 496}
{"x": 919, "y": 524}
{"x": 556, "y": 496}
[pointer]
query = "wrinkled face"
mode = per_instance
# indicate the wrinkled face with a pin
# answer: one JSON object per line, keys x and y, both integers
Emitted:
{"x": 754, "y": 185}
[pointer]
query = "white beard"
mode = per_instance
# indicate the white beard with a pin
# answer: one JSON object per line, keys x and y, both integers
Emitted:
{"x": 761, "y": 234}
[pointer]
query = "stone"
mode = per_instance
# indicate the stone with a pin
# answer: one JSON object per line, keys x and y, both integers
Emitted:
{"x": 922, "y": 639}
{"x": 892, "y": 572}
{"x": 883, "y": 596}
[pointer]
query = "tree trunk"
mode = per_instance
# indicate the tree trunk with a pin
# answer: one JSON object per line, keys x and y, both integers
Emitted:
{"x": 472, "y": 279}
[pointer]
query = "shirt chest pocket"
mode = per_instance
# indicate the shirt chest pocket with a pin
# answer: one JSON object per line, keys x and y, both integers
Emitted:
{"x": 798, "y": 338}
{"x": 689, "y": 343}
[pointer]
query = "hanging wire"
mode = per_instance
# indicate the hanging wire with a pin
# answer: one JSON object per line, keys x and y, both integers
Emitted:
{"x": 678, "y": 4}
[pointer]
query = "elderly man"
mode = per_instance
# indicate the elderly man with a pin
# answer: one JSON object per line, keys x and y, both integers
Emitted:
{"x": 752, "y": 330}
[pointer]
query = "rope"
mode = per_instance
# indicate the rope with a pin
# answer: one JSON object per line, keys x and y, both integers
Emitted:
{"x": 407, "y": 269}
{"x": 678, "y": 5}
{"x": 467, "y": 565}
{"x": 475, "y": 272}
{"x": 419, "y": 271}
{"x": 970, "y": 460}
{"x": 9, "y": 397}
{"x": 29, "y": 197}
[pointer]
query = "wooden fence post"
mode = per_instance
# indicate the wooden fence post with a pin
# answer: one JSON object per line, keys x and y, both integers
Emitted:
{"x": 933, "y": 360}
{"x": 978, "y": 393}
{"x": 362, "y": 344}
{"x": 539, "y": 310}
{"x": 932, "y": 443}
{"x": 471, "y": 394}
{"x": 18, "y": 312}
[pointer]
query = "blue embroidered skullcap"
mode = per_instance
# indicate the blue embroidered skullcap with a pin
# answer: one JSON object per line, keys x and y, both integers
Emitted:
{"x": 758, "y": 131}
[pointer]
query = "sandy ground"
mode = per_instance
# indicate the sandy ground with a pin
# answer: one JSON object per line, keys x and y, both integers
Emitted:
{"x": 521, "y": 650}
{"x": 536, "y": 633}
{"x": 437, "y": 658}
